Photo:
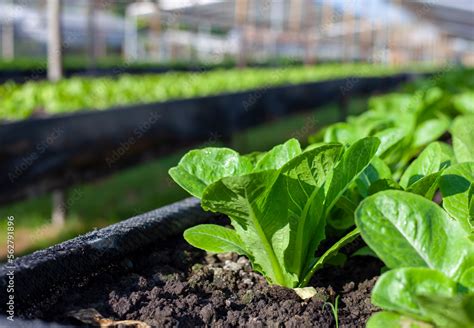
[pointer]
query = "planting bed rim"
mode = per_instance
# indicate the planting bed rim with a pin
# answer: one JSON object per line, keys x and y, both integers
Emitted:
{"x": 61, "y": 268}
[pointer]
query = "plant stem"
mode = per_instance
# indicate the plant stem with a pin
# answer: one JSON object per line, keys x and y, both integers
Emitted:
{"x": 330, "y": 252}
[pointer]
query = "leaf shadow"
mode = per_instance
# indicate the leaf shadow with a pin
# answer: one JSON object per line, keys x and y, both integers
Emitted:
{"x": 454, "y": 184}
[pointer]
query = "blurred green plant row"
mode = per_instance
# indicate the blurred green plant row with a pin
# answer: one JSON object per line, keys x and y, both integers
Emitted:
{"x": 408, "y": 120}
{"x": 19, "y": 101}
{"x": 112, "y": 62}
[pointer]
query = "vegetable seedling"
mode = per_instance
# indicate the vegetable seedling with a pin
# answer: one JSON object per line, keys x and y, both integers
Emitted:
{"x": 278, "y": 204}
{"x": 431, "y": 257}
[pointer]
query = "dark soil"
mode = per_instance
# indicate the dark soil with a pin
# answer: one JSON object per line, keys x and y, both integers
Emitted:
{"x": 166, "y": 288}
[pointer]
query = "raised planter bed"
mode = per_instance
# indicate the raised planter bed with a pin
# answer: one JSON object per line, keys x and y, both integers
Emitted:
{"x": 141, "y": 269}
{"x": 73, "y": 148}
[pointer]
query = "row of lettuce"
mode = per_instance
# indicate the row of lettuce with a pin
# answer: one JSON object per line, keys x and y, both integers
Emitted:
{"x": 401, "y": 176}
{"x": 80, "y": 63}
{"x": 20, "y": 101}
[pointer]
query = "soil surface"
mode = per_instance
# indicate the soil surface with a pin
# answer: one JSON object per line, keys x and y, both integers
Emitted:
{"x": 175, "y": 285}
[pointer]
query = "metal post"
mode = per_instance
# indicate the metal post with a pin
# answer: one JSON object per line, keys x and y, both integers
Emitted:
{"x": 55, "y": 73}
{"x": 241, "y": 11}
{"x": 348, "y": 23}
{"x": 310, "y": 31}
{"x": 59, "y": 208}
{"x": 155, "y": 31}
{"x": 295, "y": 15}
{"x": 90, "y": 33}
{"x": 8, "y": 35}
{"x": 130, "y": 45}
{"x": 55, "y": 69}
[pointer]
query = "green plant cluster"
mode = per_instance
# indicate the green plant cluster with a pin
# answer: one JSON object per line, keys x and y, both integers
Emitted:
{"x": 401, "y": 176}
{"x": 80, "y": 63}
{"x": 19, "y": 101}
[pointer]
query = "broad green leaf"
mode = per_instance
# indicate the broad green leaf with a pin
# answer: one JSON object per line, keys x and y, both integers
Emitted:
{"x": 390, "y": 138}
{"x": 397, "y": 290}
{"x": 279, "y": 155}
{"x": 385, "y": 103}
{"x": 456, "y": 185}
{"x": 467, "y": 279}
{"x": 314, "y": 145}
{"x": 471, "y": 201}
{"x": 426, "y": 186}
{"x": 452, "y": 312}
{"x": 407, "y": 230}
{"x": 376, "y": 170}
{"x": 464, "y": 102}
{"x": 433, "y": 95}
{"x": 202, "y": 167}
{"x": 215, "y": 239}
{"x": 340, "y": 132}
{"x": 354, "y": 161}
{"x": 462, "y": 132}
{"x": 257, "y": 205}
{"x": 435, "y": 157}
{"x": 387, "y": 319}
{"x": 430, "y": 130}
{"x": 303, "y": 179}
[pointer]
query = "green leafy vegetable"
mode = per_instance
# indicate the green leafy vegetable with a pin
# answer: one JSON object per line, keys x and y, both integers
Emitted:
{"x": 407, "y": 230}
{"x": 425, "y": 295}
{"x": 435, "y": 157}
{"x": 430, "y": 130}
{"x": 201, "y": 167}
{"x": 431, "y": 257}
{"x": 216, "y": 239}
{"x": 376, "y": 171}
{"x": 397, "y": 290}
{"x": 395, "y": 320}
{"x": 457, "y": 185}
{"x": 279, "y": 214}
{"x": 463, "y": 138}
{"x": 455, "y": 312}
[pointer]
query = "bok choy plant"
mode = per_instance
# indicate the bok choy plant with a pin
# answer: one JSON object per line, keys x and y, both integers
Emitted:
{"x": 431, "y": 283}
{"x": 278, "y": 203}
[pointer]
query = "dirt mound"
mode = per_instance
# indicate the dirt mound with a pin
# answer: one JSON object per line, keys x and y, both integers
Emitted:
{"x": 180, "y": 286}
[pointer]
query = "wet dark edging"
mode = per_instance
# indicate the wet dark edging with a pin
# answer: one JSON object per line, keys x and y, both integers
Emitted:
{"x": 42, "y": 154}
{"x": 58, "y": 269}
